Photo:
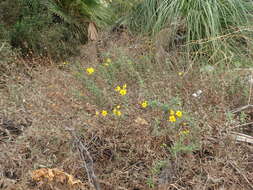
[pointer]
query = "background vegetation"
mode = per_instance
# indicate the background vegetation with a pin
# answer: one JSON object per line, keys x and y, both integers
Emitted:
{"x": 55, "y": 29}
{"x": 49, "y": 28}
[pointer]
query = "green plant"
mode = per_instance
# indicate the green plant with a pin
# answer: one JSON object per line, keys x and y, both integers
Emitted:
{"x": 211, "y": 27}
{"x": 150, "y": 183}
{"x": 155, "y": 170}
{"x": 237, "y": 91}
{"x": 179, "y": 125}
{"x": 243, "y": 117}
{"x": 108, "y": 72}
{"x": 49, "y": 27}
{"x": 9, "y": 12}
{"x": 175, "y": 103}
{"x": 80, "y": 11}
{"x": 230, "y": 117}
{"x": 120, "y": 69}
{"x": 144, "y": 16}
{"x": 89, "y": 82}
{"x": 158, "y": 166}
{"x": 180, "y": 146}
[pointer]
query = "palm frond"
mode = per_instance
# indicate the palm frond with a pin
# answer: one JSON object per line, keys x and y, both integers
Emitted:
{"x": 58, "y": 11}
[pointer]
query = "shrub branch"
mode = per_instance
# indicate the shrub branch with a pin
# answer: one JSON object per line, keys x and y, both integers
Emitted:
{"x": 86, "y": 158}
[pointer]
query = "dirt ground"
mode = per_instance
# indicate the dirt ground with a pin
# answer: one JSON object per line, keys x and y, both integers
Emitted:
{"x": 39, "y": 108}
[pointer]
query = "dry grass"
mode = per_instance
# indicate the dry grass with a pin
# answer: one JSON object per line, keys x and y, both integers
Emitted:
{"x": 132, "y": 152}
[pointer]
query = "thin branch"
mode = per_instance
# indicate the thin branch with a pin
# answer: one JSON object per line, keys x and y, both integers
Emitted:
{"x": 2, "y": 46}
{"x": 86, "y": 158}
{"x": 242, "y": 125}
{"x": 242, "y": 137}
{"x": 250, "y": 87}
{"x": 237, "y": 169}
{"x": 242, "y": 108}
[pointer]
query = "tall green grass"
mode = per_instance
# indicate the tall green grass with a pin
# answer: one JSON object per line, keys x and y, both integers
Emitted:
{"x": 208, "y": 25}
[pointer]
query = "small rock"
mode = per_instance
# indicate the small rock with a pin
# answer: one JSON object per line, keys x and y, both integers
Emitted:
{"x": 197, "y": 94}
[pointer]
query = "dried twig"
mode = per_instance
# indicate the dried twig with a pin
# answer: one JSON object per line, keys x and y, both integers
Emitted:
{"x": 110, "y": 185}
{"x": 242, "y": 137}
{"x": 250, "y": 86}
{"x": 86, "y": 158}
{"x": 2, "y": 46}
{"x": 242, "y": 108}
{"x": 239, "y": 171}
{"x": 242, "y": 125}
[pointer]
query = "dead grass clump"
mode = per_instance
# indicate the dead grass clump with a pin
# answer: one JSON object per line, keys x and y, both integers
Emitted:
{"x": 54, "y": 177}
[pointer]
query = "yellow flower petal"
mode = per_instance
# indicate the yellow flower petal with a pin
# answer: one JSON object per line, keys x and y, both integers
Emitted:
{"x": 108, "y": 60}
{"x": 179, "y": 114}
{"x": 118, "y": 113}
{"x": 144, "y": 104}
{"x": 117, "y": 89}
{"x": 172, "y": 118}
{"x": 104, "y": 112}
{"x": 90, "y": 70}
{"x": 172, "y": 112}
{"x": 184, "y": 132}
{"x": 123, "y": 92}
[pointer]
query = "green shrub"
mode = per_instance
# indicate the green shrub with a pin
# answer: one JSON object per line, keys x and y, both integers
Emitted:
{"x": 50, "y": 27}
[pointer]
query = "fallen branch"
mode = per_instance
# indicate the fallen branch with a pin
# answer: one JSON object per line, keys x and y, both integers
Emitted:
{"x": 86, "y": 158}
{"x": 242, "y": 137}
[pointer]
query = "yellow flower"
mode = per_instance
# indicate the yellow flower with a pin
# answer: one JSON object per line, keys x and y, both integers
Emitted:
{"x": 97, "y": 113}
{"x": 179, "y": 114}
{"x": 123, "y": 92}
{"x": 185, "y": 132}
{"x": 108, "y": 60}
{"x": 172, "y": 118}
{"x": 172, "y": 112}
{"x": 117, "y": 89}
{"x": 118, "y": 107}
{"x": 180, "y": 73}
{"x": 65, "y": 63}
{"x": 118, "y": 113}
{"x": 144, "y": 104}
{"x": 104, "y": 112}
{"x": 90, "y": 70}
{"x": 106, "y": 64}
